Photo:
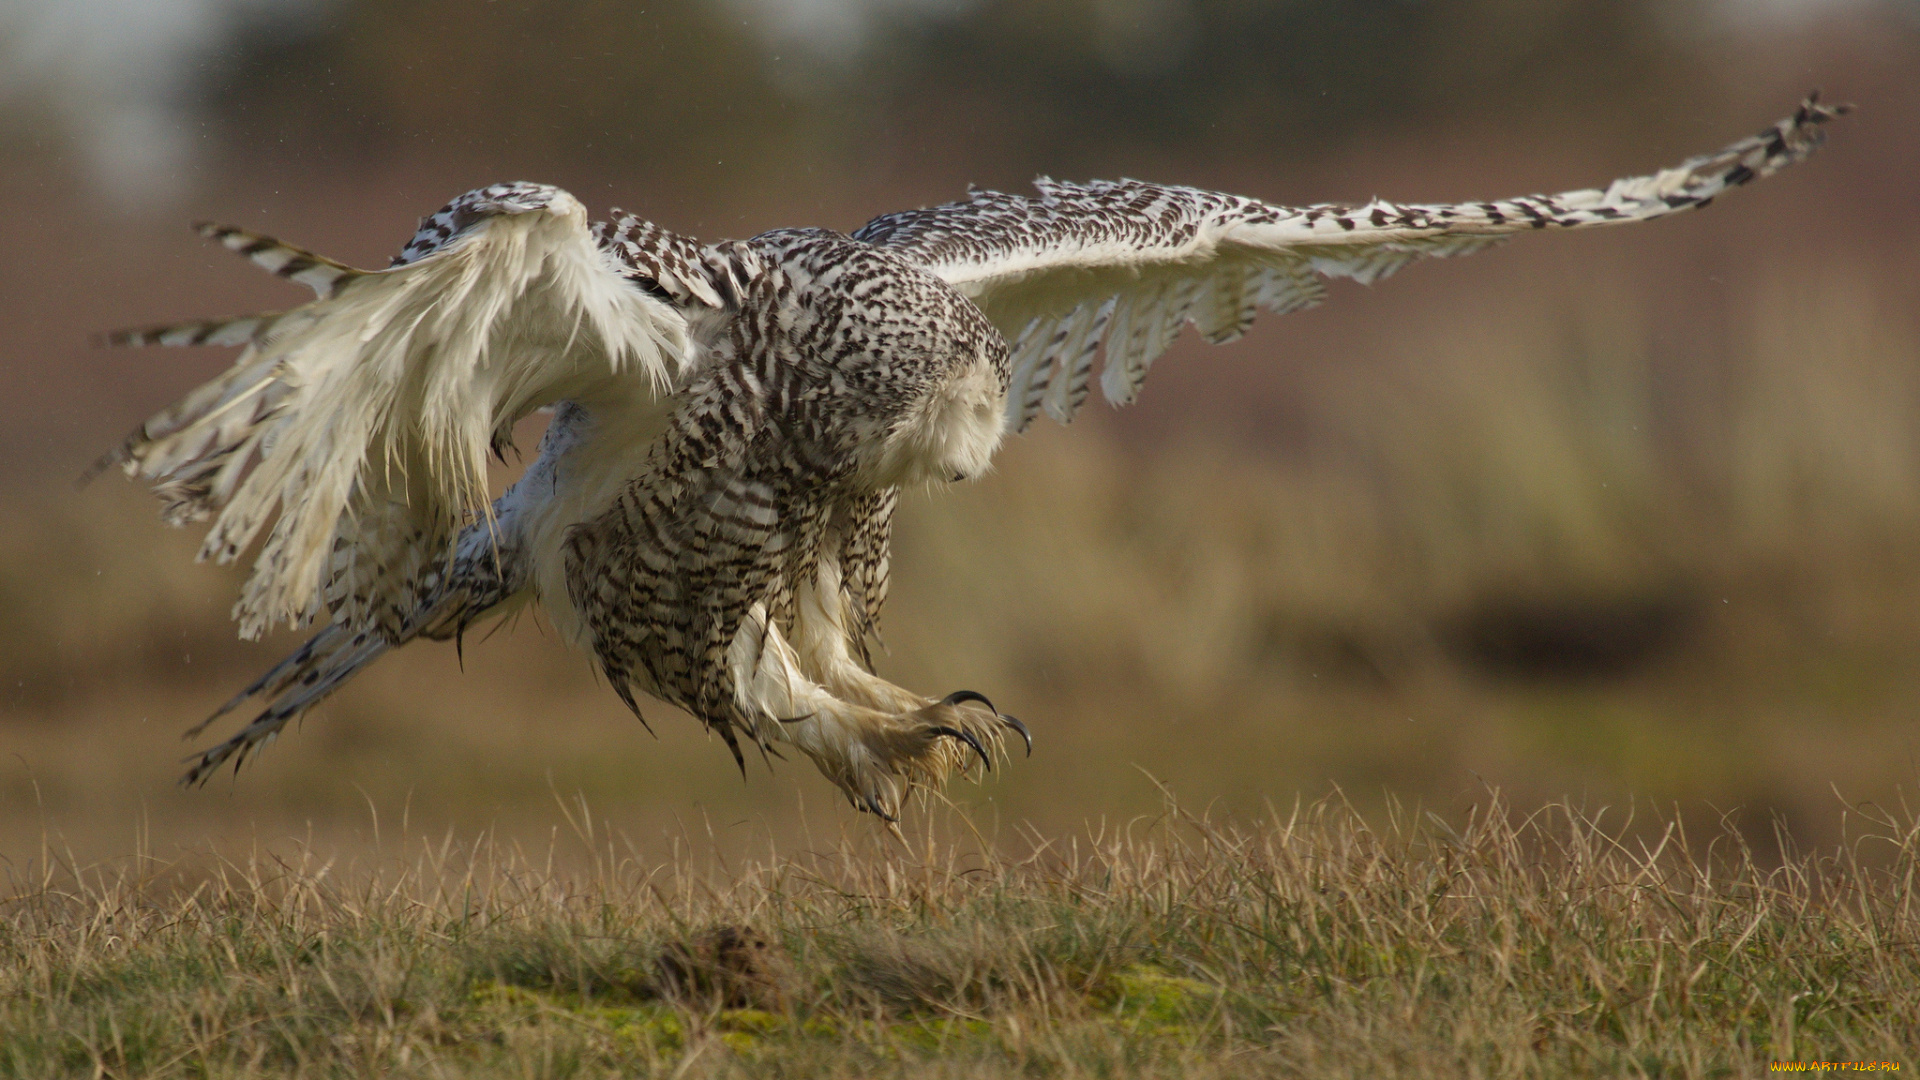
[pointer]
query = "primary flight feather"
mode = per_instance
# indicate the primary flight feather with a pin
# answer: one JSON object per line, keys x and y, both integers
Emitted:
{"x": 710, "y": 509}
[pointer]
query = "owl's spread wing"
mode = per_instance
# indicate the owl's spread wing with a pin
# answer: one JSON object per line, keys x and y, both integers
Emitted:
{"x": 1128, "y": 264}
{"x": 353, "y": 430}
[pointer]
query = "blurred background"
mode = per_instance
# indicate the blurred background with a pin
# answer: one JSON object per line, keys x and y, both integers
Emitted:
{"x": 1631, "y": 516}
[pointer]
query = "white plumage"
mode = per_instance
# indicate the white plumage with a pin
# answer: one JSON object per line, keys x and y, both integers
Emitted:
{"x": 710, "y": 510}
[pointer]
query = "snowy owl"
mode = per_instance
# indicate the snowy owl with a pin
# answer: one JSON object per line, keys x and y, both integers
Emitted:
{"x": 709, "y": 511}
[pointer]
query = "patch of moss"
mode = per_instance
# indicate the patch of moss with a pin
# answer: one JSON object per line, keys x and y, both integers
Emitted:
{"x": 751, "y": 1021}
{"x": 745, "y": 1031}
{"x": 656, "y": 1026}
{"x": 939, "y": 1034}
{"x": 1154, "y": 1002}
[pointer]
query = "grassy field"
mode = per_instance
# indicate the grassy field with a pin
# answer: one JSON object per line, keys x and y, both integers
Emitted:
{"x": 1623, "y": 518}
{"x": 1309, "y": 944}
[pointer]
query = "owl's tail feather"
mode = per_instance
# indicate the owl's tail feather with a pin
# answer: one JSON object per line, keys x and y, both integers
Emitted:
{"x": 487, "y": 580}
{"x": 294, "y": 685}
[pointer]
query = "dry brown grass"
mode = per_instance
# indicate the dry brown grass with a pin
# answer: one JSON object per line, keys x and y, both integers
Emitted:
{"x": 1308, "y": 944}
{"x": 1315, "y": 557}
{"x": 1326, "y": 555}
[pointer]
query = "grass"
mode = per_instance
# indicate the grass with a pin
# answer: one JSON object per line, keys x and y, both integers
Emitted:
{"x": 1312, "y": 943}
{"x": 1648, "y": 532}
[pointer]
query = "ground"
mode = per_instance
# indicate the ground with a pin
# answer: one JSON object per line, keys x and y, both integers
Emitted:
{"x": 1313, "y": 943}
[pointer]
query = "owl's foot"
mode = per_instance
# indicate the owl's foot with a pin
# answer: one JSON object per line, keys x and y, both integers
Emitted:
{"x": 879, "y": 758}
{"x": 961, "y": 696}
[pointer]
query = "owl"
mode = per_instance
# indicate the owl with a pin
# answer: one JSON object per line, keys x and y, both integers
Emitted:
{"x": 709, "y": 514}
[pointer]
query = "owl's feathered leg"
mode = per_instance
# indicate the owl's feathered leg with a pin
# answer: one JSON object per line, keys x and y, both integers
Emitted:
{"x": 876, "y": 741}
{"x": 825, "y": 636}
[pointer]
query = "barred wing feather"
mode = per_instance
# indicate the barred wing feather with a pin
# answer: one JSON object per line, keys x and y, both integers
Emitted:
{"x": 353, "y": 431}
{"x": 1127, "y": 264}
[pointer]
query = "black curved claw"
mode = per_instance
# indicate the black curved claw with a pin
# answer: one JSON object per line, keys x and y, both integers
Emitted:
{"x": 959, "y": 696}
{"x": 967, "y": 738}
{"x": 1016, "y": 725}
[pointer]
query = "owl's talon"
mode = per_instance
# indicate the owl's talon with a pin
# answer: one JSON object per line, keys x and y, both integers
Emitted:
{"x": 965, "y": 737}
{"x": 1015, "y": 724}
{"x": 960, "y": 696}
